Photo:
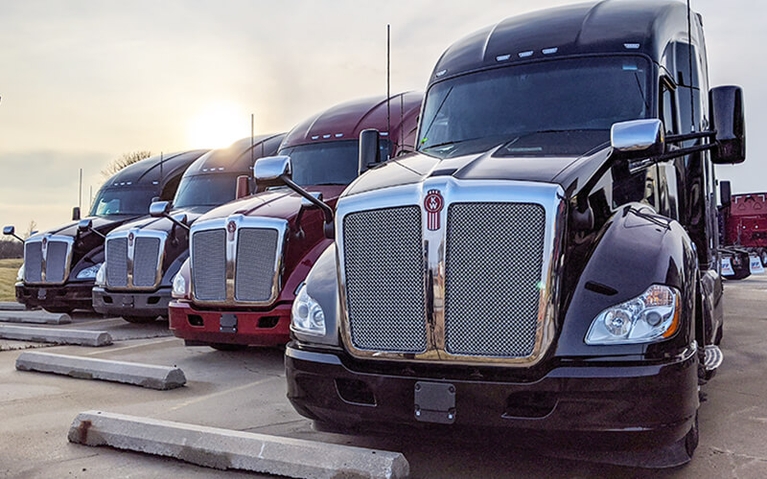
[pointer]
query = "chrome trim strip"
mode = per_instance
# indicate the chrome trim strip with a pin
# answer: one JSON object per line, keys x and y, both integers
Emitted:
{"x": 45, "y": 240}
{"x": 550, "y": 197}
{"x": 241, "y": 221}
{"x": 137, "y": 233}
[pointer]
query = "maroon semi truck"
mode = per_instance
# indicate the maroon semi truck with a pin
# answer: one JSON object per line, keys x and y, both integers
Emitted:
{"x": 743, "y": 230}
{"x": 249, "y": 257}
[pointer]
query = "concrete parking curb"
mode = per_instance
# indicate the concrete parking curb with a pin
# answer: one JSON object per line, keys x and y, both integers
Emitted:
{"x": 227, "y": 449}
{"x": 12, "y": 306}
{"x": 56, "y": 336}
{"x": 34, "y": 317}
{"x": 145, "y": 375}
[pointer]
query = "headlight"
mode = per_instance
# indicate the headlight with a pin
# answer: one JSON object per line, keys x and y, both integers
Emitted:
{"x": 652, "y": 316}
{"x": 101, "y": 275}
{"x": 90, "y": 272}
{"x": 179, "y": 287}
{"x": 307, "y": 315}
{"x": 20, "y": 274}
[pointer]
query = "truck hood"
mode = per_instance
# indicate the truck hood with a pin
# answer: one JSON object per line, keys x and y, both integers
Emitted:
{"x": 149, "y": 223}
{"x": 275, "y": 203}
{"x": 569, "y": 172}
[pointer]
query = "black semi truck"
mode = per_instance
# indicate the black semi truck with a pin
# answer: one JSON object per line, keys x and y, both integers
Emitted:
{"x": 547, "y": 261}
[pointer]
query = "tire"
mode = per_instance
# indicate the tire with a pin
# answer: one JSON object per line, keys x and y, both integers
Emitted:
{"x": 763, "y": 257}
{"x": 140, "y": 319}
{"x": 692, "y": 438}
{"x": 228, "y": 347}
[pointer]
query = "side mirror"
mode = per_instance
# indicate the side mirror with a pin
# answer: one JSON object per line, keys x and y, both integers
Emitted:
{"x": 243, "y": 187}
{"x": 369, "y": 148}
{"x": 270, "y": 170}
{"x": 76, "y": 213}
{"x": 277, "y": 170}
{"x": 11, "y": 230}
{"x": 638, "y": 138}
{"x": 87, "y": 225}
{"x": 728, "y": 119}
{"x": 725, "y": 192}
{"x": 159, "y": 209}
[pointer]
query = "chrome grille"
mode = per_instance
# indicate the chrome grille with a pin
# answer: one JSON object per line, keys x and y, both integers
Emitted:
{"x": 47, "y": 259}
{"x": 56, "y": 262}
{"x": 209, "y": 264}
{"x": 134, "y": 259}
{"x": 146, "y": 257}
{"x": 493, "y": 278}
{"x": 385, "y": 279}
{"x": 117, "y": 262}
{"x": 33, "y": 262}
{"x": 237, "y": 260}
{"x": 255, "y": 263}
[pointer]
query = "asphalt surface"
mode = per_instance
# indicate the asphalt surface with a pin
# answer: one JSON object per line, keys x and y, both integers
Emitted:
{"x": 245, "y": 391}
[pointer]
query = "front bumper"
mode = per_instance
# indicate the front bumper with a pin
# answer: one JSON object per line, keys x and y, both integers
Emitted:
{"x": 66, "y": 297}
{"x": 142, "y": 304}
{"x": 201, "y": 327}
{"x": 632, "y": 405}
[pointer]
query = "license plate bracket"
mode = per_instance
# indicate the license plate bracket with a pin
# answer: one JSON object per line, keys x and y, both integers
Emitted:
{"x": 228, "y": 323}
{"x": 434, "y": 402}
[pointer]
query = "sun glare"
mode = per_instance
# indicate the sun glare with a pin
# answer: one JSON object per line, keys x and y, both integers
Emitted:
{"x": 218, "y": 126}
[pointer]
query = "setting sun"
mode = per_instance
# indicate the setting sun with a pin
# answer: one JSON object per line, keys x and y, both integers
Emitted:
{"x": 217, "y": 126}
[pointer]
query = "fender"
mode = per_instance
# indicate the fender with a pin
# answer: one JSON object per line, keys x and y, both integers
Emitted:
{"x": 635, "y": 249}
{"x": 322, "y": 285}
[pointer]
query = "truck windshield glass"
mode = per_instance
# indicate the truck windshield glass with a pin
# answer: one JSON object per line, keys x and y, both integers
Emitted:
{"x": 327, "y": 163}
{"x": 123, "y": 200}
{"x": 210, "y": 189}
{"x": 552, "y": 108}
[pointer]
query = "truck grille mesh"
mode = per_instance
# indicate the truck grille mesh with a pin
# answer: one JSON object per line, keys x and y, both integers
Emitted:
{"x": 56, "y": 267}
{"x": 33, "y": 262}
{"x": 209, "y": 264}
{"x": 254, "y": 277}
{"x": 492, "y": 278}
{"x": 385, "y": 279}
{"x": 117, "y": 262}
{"x": 146, "y": 255}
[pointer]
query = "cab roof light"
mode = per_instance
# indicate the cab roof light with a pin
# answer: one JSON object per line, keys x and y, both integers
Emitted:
{"x": 503, "y": 58}
{"x": 549, "y": 51}
{"x": 525, "y": 54}
{"x": 631, "y": 46}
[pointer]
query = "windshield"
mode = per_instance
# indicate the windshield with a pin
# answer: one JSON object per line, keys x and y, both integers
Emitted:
{"x": 327, "y": 163}
{"x": 206, "y": 190}
{"x": 563, "y": 107}
{"x": 123, "y": 200}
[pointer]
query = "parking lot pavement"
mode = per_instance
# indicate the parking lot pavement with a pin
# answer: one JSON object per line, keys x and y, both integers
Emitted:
{"x": 245, "y": 391}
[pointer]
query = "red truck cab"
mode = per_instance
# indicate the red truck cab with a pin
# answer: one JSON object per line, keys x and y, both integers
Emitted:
{"x": 249, "y": 257}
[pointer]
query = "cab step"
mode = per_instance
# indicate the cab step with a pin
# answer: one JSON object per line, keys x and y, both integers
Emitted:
{"x": 713, "y": 357}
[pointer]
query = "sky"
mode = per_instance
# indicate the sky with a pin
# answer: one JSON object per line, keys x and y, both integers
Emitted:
{"x": 85, "y": 82}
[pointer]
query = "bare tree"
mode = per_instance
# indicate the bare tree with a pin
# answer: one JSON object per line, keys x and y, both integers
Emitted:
{"x": 124, "y": 160}
{"x": 31, "y": 229}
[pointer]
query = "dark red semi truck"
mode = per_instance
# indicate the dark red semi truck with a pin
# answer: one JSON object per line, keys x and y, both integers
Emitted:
{"x": 60, "y": 264}
{"x": 249, "y": 257}
{"x": 743, "y": 230}
{"x": 547, "y": 262}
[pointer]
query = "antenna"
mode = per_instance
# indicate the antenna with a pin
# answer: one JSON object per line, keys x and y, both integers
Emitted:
{"x": 252, "y": 141}
{"x": 388, "y": 82}
{"x": 80, "y": 199}
{"x": 689, "y": 60}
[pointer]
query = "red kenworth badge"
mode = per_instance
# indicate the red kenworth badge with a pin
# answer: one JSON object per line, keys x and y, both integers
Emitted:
{"x": 433, "y": 204}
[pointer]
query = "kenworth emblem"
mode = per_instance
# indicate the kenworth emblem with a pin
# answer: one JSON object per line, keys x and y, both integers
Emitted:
{"x": 433, "y": 204}
{"x": 231, "y": 227}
